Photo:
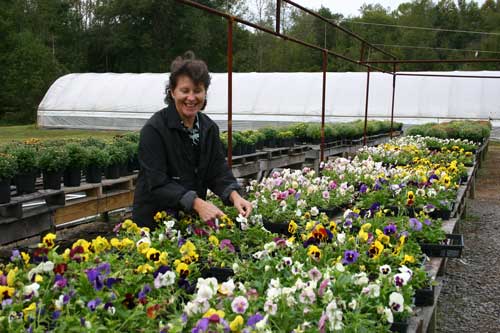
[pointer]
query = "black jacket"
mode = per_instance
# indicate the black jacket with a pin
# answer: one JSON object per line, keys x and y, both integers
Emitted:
{"x": 173, "y": 172}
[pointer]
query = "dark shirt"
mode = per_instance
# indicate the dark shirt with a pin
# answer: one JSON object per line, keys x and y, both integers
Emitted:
{"x": 174, "y": 170}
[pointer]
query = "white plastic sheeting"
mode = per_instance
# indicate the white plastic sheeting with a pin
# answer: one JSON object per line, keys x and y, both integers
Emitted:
{"x": 126, "y": 101}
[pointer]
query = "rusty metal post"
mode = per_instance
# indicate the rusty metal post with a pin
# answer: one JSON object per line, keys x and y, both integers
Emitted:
{"x": 366, "y": 103}
{"x": 362, "y": 53}
{"x": 278, "y": 15}
{"x": 323, "y": 97}
{"x": 230, "y": 92}
{"x": 394, "y": 68}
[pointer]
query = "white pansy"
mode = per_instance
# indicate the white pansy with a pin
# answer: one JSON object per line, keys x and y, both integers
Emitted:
{"x": 31, "y": 289}
{"x": 396, "y": 302}
{"x": 227, "y": 288}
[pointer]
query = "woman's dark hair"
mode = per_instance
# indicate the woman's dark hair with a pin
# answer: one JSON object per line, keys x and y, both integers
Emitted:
{"x": 193, "y": 68}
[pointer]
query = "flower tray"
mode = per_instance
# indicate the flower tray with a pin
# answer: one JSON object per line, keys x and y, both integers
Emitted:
{"x": 399, "y": 326}
{"x": 424, "y": 296}
{"x": 278, "y": 228}
{"x": 331, "y": 212}
{"x": 221, "y": 274}
{"x": 451, "y": 247}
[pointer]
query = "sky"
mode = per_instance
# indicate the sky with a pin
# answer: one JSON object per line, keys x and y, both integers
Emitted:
{"x": 351, "y": 7}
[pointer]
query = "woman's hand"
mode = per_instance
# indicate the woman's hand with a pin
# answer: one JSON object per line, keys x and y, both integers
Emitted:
{"x": 243, "y": 206}
{"x": 206, "y": 210}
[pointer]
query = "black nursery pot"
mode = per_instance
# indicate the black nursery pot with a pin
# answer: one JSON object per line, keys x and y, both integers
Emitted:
{"x": 25, "y": 183}
{"x": 52, "y": 179}
{"x": 124, "y": 170}
{"x": 113, "y": 171}
{"x": 278, "y": 228}
{"x": 93, "y": 174}
{"x": 72, "y": 177}
{"x": 4, "y": 191}
{"x": 221, "y": 274}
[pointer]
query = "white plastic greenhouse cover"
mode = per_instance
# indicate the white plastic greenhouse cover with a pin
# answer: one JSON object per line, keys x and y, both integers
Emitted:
{"x": 126, "y": 101}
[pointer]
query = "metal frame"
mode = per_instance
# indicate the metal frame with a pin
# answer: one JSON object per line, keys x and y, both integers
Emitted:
{"x": 369, "y": 65}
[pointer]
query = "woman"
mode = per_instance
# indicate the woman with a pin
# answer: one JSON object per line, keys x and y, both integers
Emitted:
{"x": 180, "y": 152}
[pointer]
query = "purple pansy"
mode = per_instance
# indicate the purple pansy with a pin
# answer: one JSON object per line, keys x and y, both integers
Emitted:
{"x": 350, "y": 257}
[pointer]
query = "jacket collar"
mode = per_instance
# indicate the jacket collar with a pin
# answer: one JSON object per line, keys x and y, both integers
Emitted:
{"x": 174, "y": 120}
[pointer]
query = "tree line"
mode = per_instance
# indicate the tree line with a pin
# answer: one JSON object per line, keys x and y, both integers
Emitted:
{"x": 41, "y": 40}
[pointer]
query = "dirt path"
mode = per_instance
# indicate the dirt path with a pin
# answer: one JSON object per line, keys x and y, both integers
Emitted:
{"x": 470, "y": 299}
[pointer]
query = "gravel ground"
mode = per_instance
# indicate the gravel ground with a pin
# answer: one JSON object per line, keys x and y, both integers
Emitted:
{"x": 470, "y": 298}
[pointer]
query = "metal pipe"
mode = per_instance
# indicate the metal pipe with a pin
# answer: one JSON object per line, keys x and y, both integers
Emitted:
{"x": 362, "y": 53}
{"x": 278, "y": 15}
{"x": 366, "y": 104}
{"x": 295, "y": 40}
{"x": 430, "y": 61}
{"x": 450, "y": 75}
{"x": 394, "y": 67}
{"x": 230, "y": 92}
{"x": 323, "y": 98}
{"x": 347, "y": 31}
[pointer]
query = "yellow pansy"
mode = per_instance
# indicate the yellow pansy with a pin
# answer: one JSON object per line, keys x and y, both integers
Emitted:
{"x": 237, "y": 324}
{"x": 30, "y": 310}
{"x": 163, "y": 259}
{"x": 143, "y": 247}
{"x": 100, "y": 244}
{"x": 6, "y": 292}
{"x": 26, "y": 258}
{"x": 144, "y": 269}
{"x": 153, "y": 254}
{"x": 213, "y": 240}
{"x": 127, "y": 243}
{"x": 292, "y": 227}
{"x": 48, "y": 240}
{"x": 408, "y": 259}
{"x": 65, "y": 254}
{"x": 381, "y": 237}
{"x": 212, "y": 312}
{"x": 182, "y": 269}
{"x": 83, "y": 243}
{"x": 375, "y": 250}
{"x": 11, "y": 277}
{"x": 226, "y": 220}
{"x": 314, "y": 252}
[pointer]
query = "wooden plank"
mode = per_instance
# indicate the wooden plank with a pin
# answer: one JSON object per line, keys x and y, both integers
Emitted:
{"x": 115, "y": 201}
{"x": 36, "y": 221}
{"x": 79, "y": 208}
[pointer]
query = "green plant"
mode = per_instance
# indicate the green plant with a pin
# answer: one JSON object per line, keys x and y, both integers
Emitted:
{"x": 285, "y": 134}
{"x": 313, "y": 131}
{"x": 53, "y": 158}
{"x": 77, "y": 158}
{"x": 269, "y": 132}
{"x": 25, "y": 156}
{"x": 8, "y": 166}
{"x": 116, "y": 154}
{"x": 91, "y": 141}
{"x": 96, "y": 156}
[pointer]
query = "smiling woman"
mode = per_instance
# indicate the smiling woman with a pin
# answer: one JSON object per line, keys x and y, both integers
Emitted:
{"x": 180, "y": 152}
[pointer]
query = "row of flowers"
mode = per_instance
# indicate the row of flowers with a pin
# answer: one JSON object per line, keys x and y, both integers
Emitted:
{"x": 344, "y": 272}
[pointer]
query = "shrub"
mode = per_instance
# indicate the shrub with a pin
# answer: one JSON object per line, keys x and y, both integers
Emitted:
{"x": 53, "y": 158}
{"x": 96, "y": 156}
{"x": 8, "y": 166}
{"x": 25, "y": 156}
{"x": 77, "y": 157}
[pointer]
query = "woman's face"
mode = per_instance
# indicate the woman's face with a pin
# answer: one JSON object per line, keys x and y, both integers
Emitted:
{"x": 188, "y": 97}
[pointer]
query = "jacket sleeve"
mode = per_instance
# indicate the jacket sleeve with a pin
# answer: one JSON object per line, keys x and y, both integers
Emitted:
{"x": 222, "y": 181}
{"x": 152, "y": 158}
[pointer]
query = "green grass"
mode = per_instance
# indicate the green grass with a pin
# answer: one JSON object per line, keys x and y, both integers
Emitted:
{"x": 16, "y": 133}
